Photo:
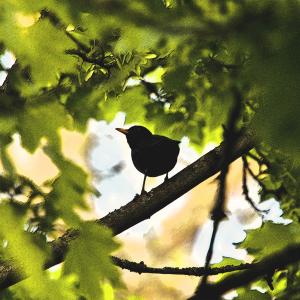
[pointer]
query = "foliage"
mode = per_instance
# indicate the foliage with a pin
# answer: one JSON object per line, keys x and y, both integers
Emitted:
{"x": 98, "y": 243}
{"x": 279, "y": 237}
{"x": 248, "y": 295}
{"x": 75, "y": 61}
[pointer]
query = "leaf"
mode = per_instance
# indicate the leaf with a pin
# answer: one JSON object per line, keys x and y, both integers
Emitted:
{"x": 28, "y": 41}
{"x": 68, "y": 190}
{"x": 226, "y": 261}
{"x": 20, "y": 246}
{"x": 108, "y": 291}
{"x": 29, "y": 257}
{"x": 275, "y": 75}
{"x": 7, "y": 125}
{"x": 133, "y": 38}
{"x": 84, "y": 104}
{"x": 7, "y": 295}
{"x": 7, "y": 161}
{"x": 177, "y": 78}
{"x": 89, "y": 259}
{"x": 41, "y": 118}
{"x": 41, "y": 287}
{"x": 270, "y": 238}
{"x": 132, "y": 101}
{"x": 253, "y": 295}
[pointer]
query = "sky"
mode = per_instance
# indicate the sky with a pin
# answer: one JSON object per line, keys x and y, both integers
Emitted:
{"x": 7, "y": 60}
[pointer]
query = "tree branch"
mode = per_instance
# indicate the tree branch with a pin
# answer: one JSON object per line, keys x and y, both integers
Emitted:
{"x": 191, "y": 271}
{"x": 231, "y": 135}
{"x": 277, "y": 261}
{"x": 86, "y": 58}
{"x": 144, "y": 206}
{"x": 245, "y": 187}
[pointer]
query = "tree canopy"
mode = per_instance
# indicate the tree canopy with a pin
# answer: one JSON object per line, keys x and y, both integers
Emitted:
{"x": 222, "y": 70}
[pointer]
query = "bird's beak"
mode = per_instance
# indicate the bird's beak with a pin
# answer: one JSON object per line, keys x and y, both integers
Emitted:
{"x": 124, "y": 131}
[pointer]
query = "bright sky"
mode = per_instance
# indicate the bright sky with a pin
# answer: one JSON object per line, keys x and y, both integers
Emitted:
{"x": 7, "y": 60}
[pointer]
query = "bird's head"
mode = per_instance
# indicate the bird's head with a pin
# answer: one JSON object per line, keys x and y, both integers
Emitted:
{"x": 135, "y": 135}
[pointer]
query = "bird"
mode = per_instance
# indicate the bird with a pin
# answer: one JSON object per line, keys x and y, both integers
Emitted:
{"x": 153, "y": 155}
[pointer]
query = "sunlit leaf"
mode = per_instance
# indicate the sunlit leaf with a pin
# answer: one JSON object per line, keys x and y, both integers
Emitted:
{"x": 270, "y": 238}
{"x": 40, "y": 119}
{"x": 253, "y": 295}
{"x": 89, "y": 259}
{"x": 68, "y": 189}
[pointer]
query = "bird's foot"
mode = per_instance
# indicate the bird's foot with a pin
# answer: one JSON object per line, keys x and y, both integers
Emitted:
{"x": 166, "y": 178}
{"x": 143, "y": 192}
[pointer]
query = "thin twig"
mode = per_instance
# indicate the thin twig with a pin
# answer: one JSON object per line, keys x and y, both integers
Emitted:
{"x": 259, "y": 160}
{"x": 254, "y": 176}
{"x": 245, "y": 187}
{"x": 141, "y": 267}
{"x": 264, "y": 159}
{"x": 86, "y": 58}
{"x": 230, "y": 137}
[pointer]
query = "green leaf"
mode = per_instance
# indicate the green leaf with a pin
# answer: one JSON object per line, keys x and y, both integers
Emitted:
{"x": 133, "y": 38}
{"x": 28, "y": 41}
{"x": 7, "y": 125}
{"x": 108, "y": 291}
{"x": 7, "y": 161}
{"x": 132, "y": 101}
{"x": 270, "y": 238}
{"x": 84, "y": 104}
{"x": 68, "y": 189}
{"x": 29, "y": 257}
{"x": 20, "y": 245}
{"x": 275, "y": 75}
{"x": 41, "y": 118}
{"x": 89, "y": 259}
{"x": 253, "y": 295}
{"x": 177, "y": 78}
{"x": 41, "y": 287}
{"x": 226, "y": 261}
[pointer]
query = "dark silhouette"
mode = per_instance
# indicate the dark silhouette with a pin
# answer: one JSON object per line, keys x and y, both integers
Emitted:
{"x": 153, "y": 155}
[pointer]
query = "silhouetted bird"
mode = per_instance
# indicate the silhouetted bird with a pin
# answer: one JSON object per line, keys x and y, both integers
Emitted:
{"x": 153, "y": 155}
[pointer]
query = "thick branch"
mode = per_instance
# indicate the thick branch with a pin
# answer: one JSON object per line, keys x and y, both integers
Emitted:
{"x": 144, "y": 206}
{"x": 268, "y": 265}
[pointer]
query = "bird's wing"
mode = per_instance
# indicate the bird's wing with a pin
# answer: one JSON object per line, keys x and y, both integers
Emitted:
{"x": 159, "y": 145}
{"x": 156, "y": 156}
{"x": 162, "y": 139}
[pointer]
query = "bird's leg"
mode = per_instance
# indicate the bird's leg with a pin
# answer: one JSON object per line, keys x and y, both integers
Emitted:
{"x": 166, "y": 177}
{"x": 143, "y": 188}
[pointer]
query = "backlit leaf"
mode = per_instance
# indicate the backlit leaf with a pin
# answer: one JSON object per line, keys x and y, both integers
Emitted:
{"x": 89, "y": 259}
